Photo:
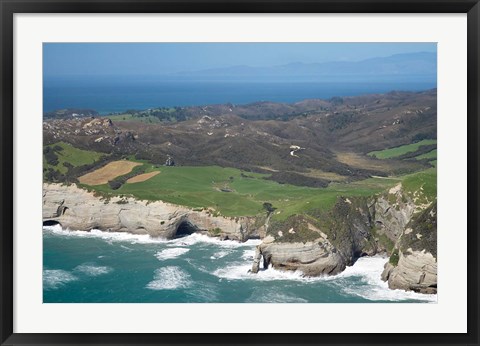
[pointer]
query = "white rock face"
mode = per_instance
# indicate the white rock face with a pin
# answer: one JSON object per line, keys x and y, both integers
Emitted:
{"x": 311, "y": 258}
{"x": 78, "y": 209}
{"x": 416, "y": 271}
{"x": 390, "y": 218}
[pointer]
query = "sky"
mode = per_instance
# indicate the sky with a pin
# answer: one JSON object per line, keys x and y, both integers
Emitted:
{"x": 67, "y": 59}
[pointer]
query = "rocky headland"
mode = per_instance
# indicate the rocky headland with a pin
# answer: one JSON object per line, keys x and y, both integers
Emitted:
{"x": 392, "y": 223}
{"x": 323, "y": 243}
{"x": 78, "y": 209}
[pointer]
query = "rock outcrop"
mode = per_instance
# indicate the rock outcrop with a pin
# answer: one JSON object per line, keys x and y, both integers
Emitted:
{"x": 319, "y": 244}
{"x": 78, "y": 209}
{"x": 415, "y": 271}
{"x": 325, "y": 243}
{"x": 392, "y": 212}
{"x": 413, "y": 264}
{"x": 312, "y": 258}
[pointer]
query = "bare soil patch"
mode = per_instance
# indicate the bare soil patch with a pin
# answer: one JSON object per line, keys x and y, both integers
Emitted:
{"x": 318, "y": 173}
{"x": 142, "y": 177}
{"x": 358, "y": 161}
{"x": 108, "y": 172}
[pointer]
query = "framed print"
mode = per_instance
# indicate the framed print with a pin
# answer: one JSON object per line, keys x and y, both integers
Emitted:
{"x": 239, "y": 173}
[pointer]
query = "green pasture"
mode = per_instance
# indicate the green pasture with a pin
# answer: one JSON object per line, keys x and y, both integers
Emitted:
{"x": 398, "y": 151}
{"x": 431, "y": 155}
{"x": 74, "y": 156}
{"x": 231, "y": 192}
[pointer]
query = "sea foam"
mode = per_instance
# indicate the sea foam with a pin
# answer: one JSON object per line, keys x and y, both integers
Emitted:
{"x": 169, "y": 278}
{"x": 107, "y": 236}
{"x": 92, "y": 269}
{"x": 192, "y": 239}
{"x": 369, "y": 271}
{"x": 240, "y": 271}
{"x": 56, "y": 278}
{"x": 220, "y": 254}
{"x": 197, "y": 238}
{"x": 171, "y": 253}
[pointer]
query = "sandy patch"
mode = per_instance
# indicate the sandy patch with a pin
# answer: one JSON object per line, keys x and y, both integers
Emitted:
{"x": 108, "y": 172}
{"x": 142, "y": 177}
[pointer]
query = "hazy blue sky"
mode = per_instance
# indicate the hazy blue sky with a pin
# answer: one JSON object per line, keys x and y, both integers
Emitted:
{"x": 161, "y": 58}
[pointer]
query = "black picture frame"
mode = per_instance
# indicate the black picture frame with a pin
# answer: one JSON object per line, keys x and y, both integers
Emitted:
{"x": 10, "y": 7}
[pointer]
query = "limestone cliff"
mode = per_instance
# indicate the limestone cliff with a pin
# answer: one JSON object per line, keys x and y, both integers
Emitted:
{"x": 413, "y": 264}
{"x": 320, "y": 243}
{"x": 317, "y": 242}
{"x": 324, "y": 243}
{"x": 78, "y": 209}
{"x": 311, "y": 258}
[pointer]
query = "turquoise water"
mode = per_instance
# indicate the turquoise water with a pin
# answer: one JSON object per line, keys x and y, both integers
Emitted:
{"x": 101, "y": 267}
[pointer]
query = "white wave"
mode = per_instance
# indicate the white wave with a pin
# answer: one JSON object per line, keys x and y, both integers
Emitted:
{"x": 274, "y": 297}
{"x": 171, "y": 253}
{"x": 107, "y": 236}
{"x": 220, "y": 254}
{"x": 369, "y": 271}
{"x": 192, "y": 239}
{"x": 55, "y": 278}
{"x": 92, "y": 269}
{"x": 240, "y": 271}
{"x": 248, "y": 255}
{"x": 197, "y": 238}
{"x": 169, "y": 278}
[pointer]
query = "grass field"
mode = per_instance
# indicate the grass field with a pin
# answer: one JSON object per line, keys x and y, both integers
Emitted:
{"x": 229, "y": 191}
{"x": 108, "y": 172}
{"x": 422, "y": 185}
{"x": 74, "y": 156}
{"x": 232, "y": 192}
{"x": 432, "y": 155}
{"x": 398, "y": 151}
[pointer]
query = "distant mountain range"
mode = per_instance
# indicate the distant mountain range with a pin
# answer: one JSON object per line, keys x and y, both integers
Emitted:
{"x": 420, "y": 66}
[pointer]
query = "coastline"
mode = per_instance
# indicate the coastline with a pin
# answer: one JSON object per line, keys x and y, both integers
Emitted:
{"x": 75, "y": 208}
{"x": 220, "y": 263}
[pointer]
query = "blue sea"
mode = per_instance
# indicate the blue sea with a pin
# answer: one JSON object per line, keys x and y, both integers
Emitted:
{"x": 107, "y": 267}
{"x": 117, "y": 95}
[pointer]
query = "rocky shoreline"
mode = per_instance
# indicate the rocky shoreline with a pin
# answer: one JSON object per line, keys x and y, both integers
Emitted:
{"x": 361, "y": 227}
{"x": 78, "y": 209}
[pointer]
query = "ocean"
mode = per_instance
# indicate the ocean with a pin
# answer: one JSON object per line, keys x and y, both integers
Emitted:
{"x": 112, "y": 96}
{"x": 109, "y": 267}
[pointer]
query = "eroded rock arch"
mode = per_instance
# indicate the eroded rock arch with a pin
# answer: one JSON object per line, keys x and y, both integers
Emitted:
{"x": 185, "y": 228}
{"x": 51, "y": 223}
